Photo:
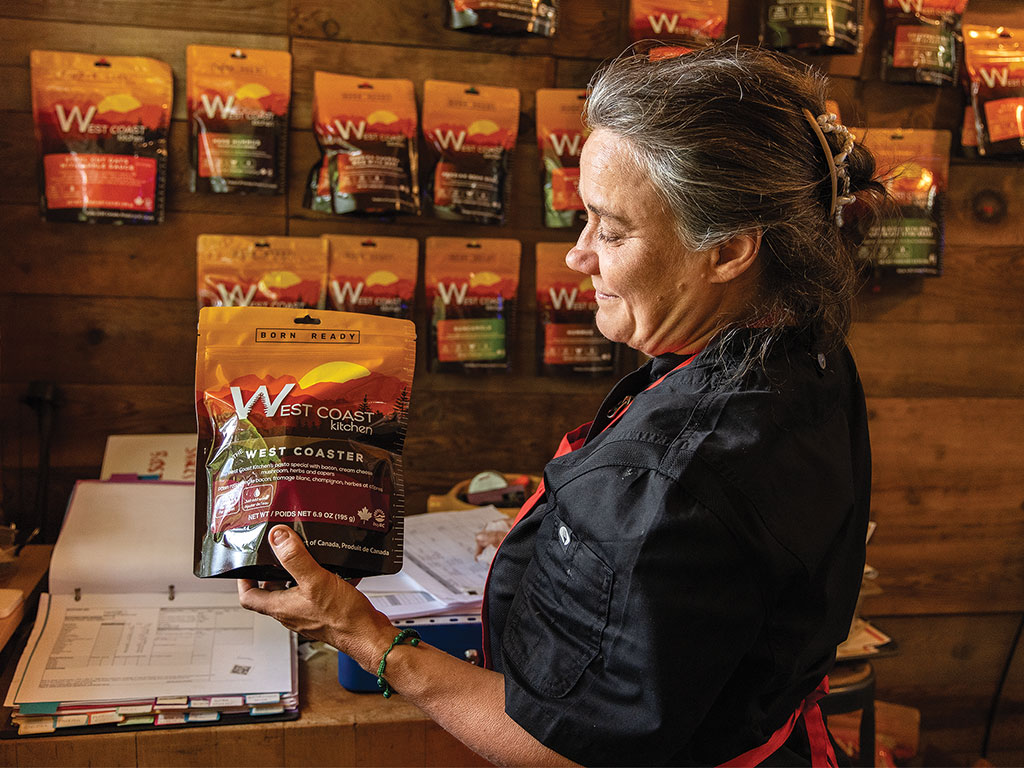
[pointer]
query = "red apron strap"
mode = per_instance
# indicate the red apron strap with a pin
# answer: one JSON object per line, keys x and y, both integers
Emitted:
{"x": 822, "y": 754}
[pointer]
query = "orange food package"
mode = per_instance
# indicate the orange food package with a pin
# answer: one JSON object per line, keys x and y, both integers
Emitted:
{"x": 995, "y": 65}
{"x": 915, "y": 167}
{"x": 376, "y": 275}
{"x": 560, "y": 137}
{"x": 470, "y": 131}
{"x": 568, "y": 342}
{"x": 922, "y": 41}
{"x": 246, "y": 271}
{"x": 471, "y": 288}
{"x": 504, "y": 16}
{"x": 301, "y": 421}
{"x": 238, "y": 111}
{"x": 366, "y": 129}
{"x": 101, "y": 126}
{"x": 697, "y": 20}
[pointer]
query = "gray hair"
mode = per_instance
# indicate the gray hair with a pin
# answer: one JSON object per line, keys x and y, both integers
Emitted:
{"x": 722, "y": 136}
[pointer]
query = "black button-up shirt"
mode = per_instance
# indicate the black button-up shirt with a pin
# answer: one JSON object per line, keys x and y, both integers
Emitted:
{"x": 684, "y": 580}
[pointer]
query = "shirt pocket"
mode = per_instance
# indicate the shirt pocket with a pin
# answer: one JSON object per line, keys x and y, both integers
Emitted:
{"x": 559, "y": 612}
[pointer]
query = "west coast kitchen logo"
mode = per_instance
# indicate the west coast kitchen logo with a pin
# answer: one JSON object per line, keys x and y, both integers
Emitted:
{"x": 73, "y": 120}
{"x": 287, "y": 398}
{"x": 566, "y": 144}
{"x": 1001, "y": 77}
{"x": 229, "y": 109}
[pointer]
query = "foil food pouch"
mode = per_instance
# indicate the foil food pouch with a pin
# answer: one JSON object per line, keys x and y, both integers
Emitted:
{"x": 101, "y": 125}
{"x": 301, "y": 420}
{"x": 366, "y": 129}
{"x": 922, "y": 41}
{"x": 244, "y": 271}
{"x": 826, "y": 26}
{"x": 914, "y": 165}
{"x": 238, "y": 112}
{"x": 470, "y": 132}
{"x": 376, "y": 275}
{"x": 568, "y": 342}
{"x": 560, "y": 137}
{"x": 504, "y": 16}
{"x": 471, "y": 288}
{"x": 969, "y": 134}
{"x": 995, "y": 65}
{"x": 696, "y": 20}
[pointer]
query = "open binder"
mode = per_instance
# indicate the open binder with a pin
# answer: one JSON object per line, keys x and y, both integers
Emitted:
{"x": 128, "y": 637}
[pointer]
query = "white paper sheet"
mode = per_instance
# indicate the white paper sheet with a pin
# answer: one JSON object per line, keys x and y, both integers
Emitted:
{"x": 441, "y": 550}
{"x": 129, "y": 537}
{"x": 160, "y": 457}
{"x": 398, "y": 596}
{"x": 140, "y": 646}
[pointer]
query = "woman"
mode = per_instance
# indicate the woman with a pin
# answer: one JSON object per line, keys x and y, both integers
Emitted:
{"x": 675, "y": 592}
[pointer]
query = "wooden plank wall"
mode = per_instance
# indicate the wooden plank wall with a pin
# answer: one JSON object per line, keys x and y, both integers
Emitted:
{"x": 109, "y": 315}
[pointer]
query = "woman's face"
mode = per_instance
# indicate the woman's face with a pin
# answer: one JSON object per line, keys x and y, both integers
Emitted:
{"x": 652, "y": 292}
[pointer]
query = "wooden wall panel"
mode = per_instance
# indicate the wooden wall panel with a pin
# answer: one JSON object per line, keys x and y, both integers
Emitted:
{"x": 948, "y": 667}
{"x": 108, "y": 314}
{"x": 254, "y": 16}
{"x": 18, "y": 37}
{"x": 135, "y": 265}
{"x": 1004, "y": 743}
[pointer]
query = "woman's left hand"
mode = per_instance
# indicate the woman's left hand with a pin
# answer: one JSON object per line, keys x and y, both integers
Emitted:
{"x": 321, "y": 605}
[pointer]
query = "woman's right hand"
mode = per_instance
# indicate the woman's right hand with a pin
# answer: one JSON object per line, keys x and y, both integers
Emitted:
{"x": 321, "y": 605}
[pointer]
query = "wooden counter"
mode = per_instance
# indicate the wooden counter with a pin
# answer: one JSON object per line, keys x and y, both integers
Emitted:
{"x": 337, "y": 728}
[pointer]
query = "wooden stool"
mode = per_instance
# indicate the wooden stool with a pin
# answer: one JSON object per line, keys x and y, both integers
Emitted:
{"x": 852, "y": 687}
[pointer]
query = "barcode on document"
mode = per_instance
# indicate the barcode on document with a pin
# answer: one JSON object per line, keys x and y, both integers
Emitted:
{"x": 403, "y": 598}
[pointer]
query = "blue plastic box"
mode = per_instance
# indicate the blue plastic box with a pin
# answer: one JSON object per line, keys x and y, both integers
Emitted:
{"x": 461, "y": 635}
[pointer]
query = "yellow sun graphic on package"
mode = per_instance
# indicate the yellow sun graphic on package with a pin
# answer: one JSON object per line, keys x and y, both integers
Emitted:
{"x": 337, "y": 372}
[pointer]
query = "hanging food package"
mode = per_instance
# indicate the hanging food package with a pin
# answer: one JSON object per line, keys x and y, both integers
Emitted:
{"x": 238, "y": 112}
{"x": 302, "y": 421}
{"x": 504, "y": 17}
{"x": 914, "y": 165}
{"x": 825, "y": 26}
{"x": 470, "y": 132}
{"x": 376, "y": 275}
{"x": 101, "y": 130}
{"x": 245, "y": 271}
{"x": 568, "y": 342}
{"x": 695, "y": 20}
{"x": 995, "y": 65}
{"x": 366, "y": 129}
{"x": 922, "y": 41}
{"x": 471, "y": 288}
{"x": 969, "y": 134}
{"x": 560, "y": 137}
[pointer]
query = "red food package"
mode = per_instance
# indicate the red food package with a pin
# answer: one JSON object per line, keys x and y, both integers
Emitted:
{"x": 302, "y": 419}
{"x": 238, "y": 110}
{"x": 376, "y": 275}
{"x": 697, "y": 20}
{"x": 366, "y": 129}
{"x": 995, "y": 65}
{"x": 470, "y": 132}
{"x": 568, "y": 342}
{"x": 537, "y": 17}
{"x": 922, "y": 41}
{"x": 471, "y": 287}
{"x": 243, "y": 271}
{"x": 560, "y": 137}
{"x": 101, "y": 128}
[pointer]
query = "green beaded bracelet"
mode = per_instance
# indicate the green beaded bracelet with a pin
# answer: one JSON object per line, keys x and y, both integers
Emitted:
{"x": 404, "y": 634}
